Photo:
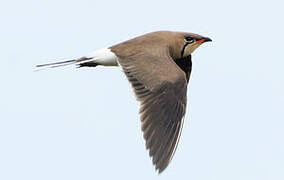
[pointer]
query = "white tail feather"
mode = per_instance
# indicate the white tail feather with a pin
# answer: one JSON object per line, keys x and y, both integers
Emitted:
{"x": 101, "y": 57}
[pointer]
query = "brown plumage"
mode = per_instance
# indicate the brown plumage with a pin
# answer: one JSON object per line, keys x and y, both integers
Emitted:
{"x": 158, "y": 66}
{"x": 155, "y": 66}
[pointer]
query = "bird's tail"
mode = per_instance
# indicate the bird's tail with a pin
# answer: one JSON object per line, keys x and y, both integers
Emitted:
{"x": 79, "y": 62}
{"x": 102, "y": 57}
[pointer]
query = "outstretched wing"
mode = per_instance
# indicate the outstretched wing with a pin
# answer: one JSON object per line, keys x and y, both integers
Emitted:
{"x": 160, "y": 85}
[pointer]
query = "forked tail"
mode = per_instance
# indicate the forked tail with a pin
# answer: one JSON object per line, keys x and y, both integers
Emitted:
{"x": 57, "y": 64}
{"x": 79, "y": 61}
{"x": 102, "y": 57}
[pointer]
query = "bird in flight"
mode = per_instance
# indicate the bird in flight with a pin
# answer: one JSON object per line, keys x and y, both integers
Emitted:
{"x": 158, "y": 66}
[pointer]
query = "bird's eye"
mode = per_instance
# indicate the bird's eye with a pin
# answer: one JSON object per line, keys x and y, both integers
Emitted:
{"x": 189, "y": 40}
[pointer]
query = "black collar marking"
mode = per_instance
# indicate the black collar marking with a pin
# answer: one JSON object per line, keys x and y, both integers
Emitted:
{"x": 183, "y": 49}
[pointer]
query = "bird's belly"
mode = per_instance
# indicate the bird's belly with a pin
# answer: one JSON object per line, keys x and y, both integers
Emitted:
{"x": 104, "y": 57}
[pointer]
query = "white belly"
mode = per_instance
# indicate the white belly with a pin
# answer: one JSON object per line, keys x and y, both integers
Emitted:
{"x": 104, "y": 57}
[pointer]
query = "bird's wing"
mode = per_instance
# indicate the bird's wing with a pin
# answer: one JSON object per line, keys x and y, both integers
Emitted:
{"x": 160, "y": 85}
{"x": 185, "y": 64}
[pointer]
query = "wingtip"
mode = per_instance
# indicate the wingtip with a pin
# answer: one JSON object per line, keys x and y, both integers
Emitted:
{"x": 160, "y": 169}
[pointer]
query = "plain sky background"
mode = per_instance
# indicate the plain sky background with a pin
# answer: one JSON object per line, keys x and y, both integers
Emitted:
{"x": 73, "y": 124}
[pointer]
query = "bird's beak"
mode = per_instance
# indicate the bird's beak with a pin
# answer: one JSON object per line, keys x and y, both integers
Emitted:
{"x": 207, "y": 39}
{"x": 203, "y": 40}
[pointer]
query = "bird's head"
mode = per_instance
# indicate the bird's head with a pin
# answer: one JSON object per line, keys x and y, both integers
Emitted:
{"x": 192, "y": 42}
{"x": 183, "y": 44}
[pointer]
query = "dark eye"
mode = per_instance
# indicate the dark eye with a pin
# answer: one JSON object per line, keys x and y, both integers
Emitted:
{"x": 189, "y": 40}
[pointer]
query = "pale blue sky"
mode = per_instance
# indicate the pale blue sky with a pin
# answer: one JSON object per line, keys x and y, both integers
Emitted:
{"x": 70, "y": 123}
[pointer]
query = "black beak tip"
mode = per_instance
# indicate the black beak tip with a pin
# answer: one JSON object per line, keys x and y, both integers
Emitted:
{"x": 207, "y": 39}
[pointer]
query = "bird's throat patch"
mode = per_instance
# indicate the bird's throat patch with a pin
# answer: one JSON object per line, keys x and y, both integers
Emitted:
{"x": 188, "y": 49}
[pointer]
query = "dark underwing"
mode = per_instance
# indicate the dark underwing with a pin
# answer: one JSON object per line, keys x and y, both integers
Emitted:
{"x": 185, "y": 64}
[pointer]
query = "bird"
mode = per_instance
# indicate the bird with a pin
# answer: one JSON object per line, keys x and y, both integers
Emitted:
{"x": 158, "y": 66}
